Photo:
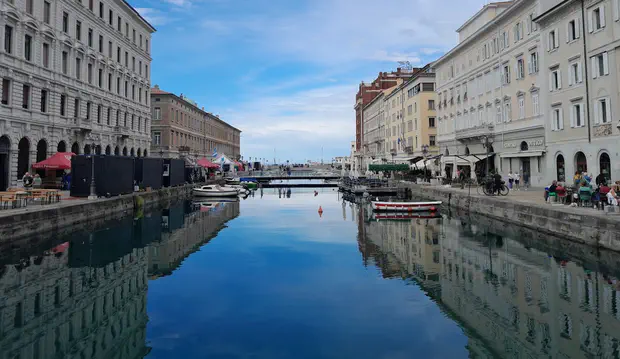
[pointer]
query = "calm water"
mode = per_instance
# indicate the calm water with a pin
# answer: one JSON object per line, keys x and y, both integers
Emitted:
{"x": 267, "y": 277}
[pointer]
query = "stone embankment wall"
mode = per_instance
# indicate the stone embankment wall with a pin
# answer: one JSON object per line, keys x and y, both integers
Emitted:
{"x": 67, "y": 217}
{"x": 576, "y": 224}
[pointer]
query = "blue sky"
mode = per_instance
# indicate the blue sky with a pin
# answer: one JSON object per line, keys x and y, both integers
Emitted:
{"x": 286, "y": 71}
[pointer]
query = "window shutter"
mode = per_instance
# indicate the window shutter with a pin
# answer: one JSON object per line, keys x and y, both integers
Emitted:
{"x": 567, "y": 32}
{"x": 557, "y": 37}
{"x": 594, "y": 68}
{"x": 551, "y": 81}
{"x": 602, "y": 12}
{"x": 605, "y": 64}
{"x": 529, "y": 66}
{"x": 529, "y": 25}
{"x": 561, "y": 120}
{"x": 608, "y": 106}
{"x": 559, "y": 79}
{"x": 597, "y": 112}
{"x": 616, "y": 9}
{"x": 591, "y": 21}
{"x": 517, "y": 69}
{"x": 579, "y": 73}
{"x": 570, "y": 75}
{"x": 572, "y": 116}
{"x": 581, "y": 115}
{"x": 577, "y": 27}
{"x": 549, "y": 42}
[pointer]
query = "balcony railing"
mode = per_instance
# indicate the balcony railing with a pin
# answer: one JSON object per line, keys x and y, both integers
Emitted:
{"x": 122, "y": 131}
{"x": 82, "y": 124}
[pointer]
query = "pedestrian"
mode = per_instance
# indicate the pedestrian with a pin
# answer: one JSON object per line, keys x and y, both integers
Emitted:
{"x": 37, "y": 182}
{"x": 462, "y": 178}
{"x": 27, "y": 180}
{"x": 577, "y": 179}
{"x": 511, "y": 179}
{"x": 517, "y": 178}
{"x": 600, "y": 179}
{"x": 526, "y": 180}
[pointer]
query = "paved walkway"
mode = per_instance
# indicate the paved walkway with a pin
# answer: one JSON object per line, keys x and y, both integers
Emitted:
{"x": 33, "y": 206}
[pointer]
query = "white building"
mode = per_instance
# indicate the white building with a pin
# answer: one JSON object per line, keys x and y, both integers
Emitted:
{"x": 488, "y": 89}
{"x": 581, "y": 63}
{"x": 75, "y": 77}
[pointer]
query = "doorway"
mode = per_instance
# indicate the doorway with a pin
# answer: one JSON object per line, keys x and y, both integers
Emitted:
{"x": 23, "y": 160}
{"x": 5, "y": 148}
{"x": 525, "y": 170}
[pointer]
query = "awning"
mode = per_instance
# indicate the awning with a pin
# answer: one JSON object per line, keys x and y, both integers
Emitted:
{"x": 389, "y": 167}
{"x": 521, "y": 154}
{"x": 412, "y": 159}
{"x": 59, "y": 161}
{"x": 203, "y": 162}
{"x": 464, "y": 160}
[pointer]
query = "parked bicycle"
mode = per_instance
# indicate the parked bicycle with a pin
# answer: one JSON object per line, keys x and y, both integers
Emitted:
{"x": 488, "y": 187}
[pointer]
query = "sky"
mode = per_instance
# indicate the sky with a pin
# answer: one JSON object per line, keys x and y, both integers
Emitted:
{"x": 286, "y": 72}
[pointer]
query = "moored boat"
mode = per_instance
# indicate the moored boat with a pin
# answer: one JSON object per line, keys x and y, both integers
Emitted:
{"x": 215, "y": 191}
{"x": 405, "y": 206}
{"x": 402, "y": 216}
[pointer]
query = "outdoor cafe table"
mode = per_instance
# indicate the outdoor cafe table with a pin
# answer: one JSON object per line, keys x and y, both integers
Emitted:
{"x": 21, "y": 197}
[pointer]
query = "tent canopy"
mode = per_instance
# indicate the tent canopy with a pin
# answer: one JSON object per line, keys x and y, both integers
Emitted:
{"x": 59, "y": 161}
{"x": 203, "y": 162}
{"x": 388, "y": 167}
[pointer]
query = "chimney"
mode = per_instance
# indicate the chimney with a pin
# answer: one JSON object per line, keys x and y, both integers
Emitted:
{"x": 156, "y": 87}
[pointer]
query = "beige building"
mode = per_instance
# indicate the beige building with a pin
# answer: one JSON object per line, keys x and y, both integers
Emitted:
{"x": 582, "y": 87}
{"x": 489, "y": 101}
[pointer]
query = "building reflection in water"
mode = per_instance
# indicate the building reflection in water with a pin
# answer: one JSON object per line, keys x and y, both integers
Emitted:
{"x": 512, "y": 301}
{"x": 86, "y": 297}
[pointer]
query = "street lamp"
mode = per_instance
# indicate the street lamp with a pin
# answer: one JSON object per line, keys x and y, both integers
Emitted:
{"x": 487, "y": 141}
{"x": 424, "y": 154}
{"x": 93, "y": 187}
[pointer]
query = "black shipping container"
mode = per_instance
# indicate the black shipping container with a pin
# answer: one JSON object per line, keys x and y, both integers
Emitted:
{"x": 174, "y": 172}
{"x": 113, "y": 175}
{"x": 149, "y": 172}
{"x": 173, "y": 218}
{"x": 102, "y": 247}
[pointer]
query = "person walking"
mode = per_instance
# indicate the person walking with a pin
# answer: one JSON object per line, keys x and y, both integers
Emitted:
{"x": 526, "y": 180}
{"x": 511, "y": 179}
{"x": 517, "y": 178}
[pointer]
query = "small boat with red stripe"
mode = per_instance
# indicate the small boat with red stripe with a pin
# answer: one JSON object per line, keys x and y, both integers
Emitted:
{"x": 402, "y": 216}
{"x": 382, "y": 206}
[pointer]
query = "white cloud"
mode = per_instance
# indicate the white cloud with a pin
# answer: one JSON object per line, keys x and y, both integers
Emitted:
{"x": 179, "y": 2}
{"x": 153, "y": 16}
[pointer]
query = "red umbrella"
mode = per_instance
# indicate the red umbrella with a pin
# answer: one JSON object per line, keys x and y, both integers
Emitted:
{"x": 206, "y": 163}
{"x": 59, "y": 161}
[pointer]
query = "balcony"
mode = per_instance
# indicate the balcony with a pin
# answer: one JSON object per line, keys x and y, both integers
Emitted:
{"x": 474, "y": 132}
{"x": 122, "y": 131}
{"x": 82, "y": 125}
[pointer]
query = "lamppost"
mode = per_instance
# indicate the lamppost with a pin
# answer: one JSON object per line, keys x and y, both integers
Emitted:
{"x": 487, "y": 141}
{"x": 424, "y": 154}
{"x": 93, "y": 187}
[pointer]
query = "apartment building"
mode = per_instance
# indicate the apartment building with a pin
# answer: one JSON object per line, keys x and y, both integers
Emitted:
{"x": 181, "y": 128}
{"x": 75, "y": 77}
{"x": 490, "y": 112}
{"x": 374, "y": 129}
{"x": 580, "y": 42}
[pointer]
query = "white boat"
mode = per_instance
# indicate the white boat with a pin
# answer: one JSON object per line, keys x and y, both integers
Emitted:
{"x": 215, "y": 191}
{"x": 405, "y": 206}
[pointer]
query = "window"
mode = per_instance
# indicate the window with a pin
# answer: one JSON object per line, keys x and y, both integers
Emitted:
{"x": 431, "y": 141}
{"x": 555, "y": 79}
{"x": 65, "y": 22}
{"x": 101, "y": 10}
{"x": 78, "y": 30}
{"x": 553, "y": 40}
{"x": 505, "y": 74}
{"x": 6, "y": 91}
{"x": 157, "y": 138}
{"x": 29, "y": 6}
{"x": 157, "y": 114}
{"x": 100, "y": 78}
{"x": 498, "y": 113}
{"x": 88, "y": 105}
{"x": 91, "y": 5}
{"x": 65, "y": 62}
{"x": 111, "y": 17}
{"x": 140, "y": 67}
{"x": 532, "y": 25}
{"x": 28, "y": 47}
{"x": 46, "y": 55}
{"x": 118, "y": 85}
{"x": 600, "y": 65}
{"x": 558, "y": 121}
{"x": 108, "y": 116}
{"x": 518, "y": 31}
{"x": 118, "y": 54}
{"x": 507, "y": 111}
{"x": 110, "y": 49}
{"x": 409, "y": 110}
{"x": 535, "y": 105}
{"x": 603, "y": 111}
{"x": 521, "y": 101}
{"x": 133, "y": 63}
{"x": 520, "y": 69}
{"x": 147, "y": 46}
{"x": 572, "y": 31}
{"x": 119, "y": 24}
{"x": 26, "y": 97}
{"x": 134, "y": 36}
{"x": 90, "y": 73}
{"x": 63, "y": 105}
{"x": 574, "y": 73}
{"x": 126, "y": 59}
{"x": 431, "y": 122}
{"x": 78, "y": 68}
{"x": 126, "y": 89}
{"x": 576, "y": 115}
{"x": 140, "y": 40}
{"x": 98, "y": 113}
{"x": 43, "y": 100}
{"x": 101, "y": 44}
{"x": 90, "y": 38}
{"x": 126, "y": 29}
{"x": 597, "y": 19}
{"x": 109, "y": 82}
{"x": 431, "y": 105}
{"x": 46, "y": 12}
{"x": 8, "y": 39}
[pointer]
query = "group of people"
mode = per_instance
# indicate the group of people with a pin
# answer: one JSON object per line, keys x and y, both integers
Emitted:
{"x": 584, "y": 190}
{"x": 30, "y": 181}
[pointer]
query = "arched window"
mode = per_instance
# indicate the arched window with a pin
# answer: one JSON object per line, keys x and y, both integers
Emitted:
{"x": 75, "y": 148}
{"x": 466, "y": 151}
{"x": 560, "y": 168}
{"x": 23, "y": 154}
{"x": 524, "y": 146}
{"x": 581, "y": 163}
{"x": 605, "y": 165}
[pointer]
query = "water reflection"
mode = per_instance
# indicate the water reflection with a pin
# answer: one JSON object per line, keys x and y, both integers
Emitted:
{"x": 85, "y": 295}
{"x": 512, "y": 300}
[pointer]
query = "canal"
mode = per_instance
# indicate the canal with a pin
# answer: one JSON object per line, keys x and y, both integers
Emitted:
{"x": 269, "y": 277}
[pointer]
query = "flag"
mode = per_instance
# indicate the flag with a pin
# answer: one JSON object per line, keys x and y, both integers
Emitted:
{"x": 214, "y": 152}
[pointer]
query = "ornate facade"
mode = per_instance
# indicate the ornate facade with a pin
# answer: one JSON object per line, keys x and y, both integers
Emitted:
{"x": 75, "y": 77}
